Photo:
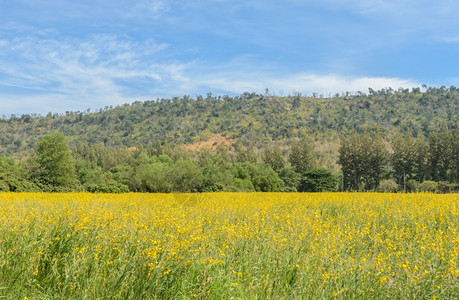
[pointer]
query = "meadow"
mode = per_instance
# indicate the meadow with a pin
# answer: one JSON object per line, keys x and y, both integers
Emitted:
{"x": 229, "y": 246}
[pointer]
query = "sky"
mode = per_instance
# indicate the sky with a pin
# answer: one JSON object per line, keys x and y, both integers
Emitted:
{"x": 58, "y": 56}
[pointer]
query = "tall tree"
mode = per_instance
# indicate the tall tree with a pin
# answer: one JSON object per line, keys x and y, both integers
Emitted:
{"x": 244, "y": 154}
{"x": 362, "y": 159}
{"x": 302, "y": 157}
{"x": 378, "y": 158}
{"x": 404, "y": 158}
{"x": 55, "y": 164}
{"x": 434, "y": 153}
{"x": 273, "y": 158}
{"x": 445, "y": 160}
{"x": 455, "y": 154}
{"x": 421, "y": 166}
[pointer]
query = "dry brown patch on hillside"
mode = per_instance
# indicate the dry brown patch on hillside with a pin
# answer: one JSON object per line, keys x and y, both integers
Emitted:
{"x": 212, "y": 143}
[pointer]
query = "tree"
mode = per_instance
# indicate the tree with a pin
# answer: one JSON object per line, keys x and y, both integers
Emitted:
{"x": 377, "y": 159}
{"x": 216, "y": 171}
{"x": 455, "y": 153}
{"x": 186, "y": 176}
{"x": 388, "y": 186}
{"x": 362, "y": 159}
{"x": 290, "y": 178}
{"x": 55, "y": 164}
{"x": 302, "y": 157}
{"x": 273, "y": 158}
{"x": 244, "y": 154}
{"x": 261, "y": 177}
{"x": 434, "y": 153}
{"x": 349, "y": 161}
{"x": 318, "y": 180}
{"x": 264, "y": 178}
{"x": 421, "y": 169}
{"x": 12, "y": 177}
{"x": 445, "y": 160}
{"x": 404, "y": 158}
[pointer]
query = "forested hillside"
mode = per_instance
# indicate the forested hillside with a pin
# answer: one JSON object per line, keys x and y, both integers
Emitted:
{"x": 384, "y": 140}
{"x": 249, "y": 118}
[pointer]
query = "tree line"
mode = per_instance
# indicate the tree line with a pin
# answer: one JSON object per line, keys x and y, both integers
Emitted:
{"x": 408, "y": 163}
{"x": 163, "y": 168}
{"x": 368, "y": 163}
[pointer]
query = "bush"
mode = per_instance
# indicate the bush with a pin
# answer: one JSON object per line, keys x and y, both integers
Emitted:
{"x": 412, "y": 186}
{"x": 428, "y": 186}
{"x": 109, "y": 187}
{"x": 318, "y": 180}
{"x": 290, "y": 178}
{"x": 446, "y": 187}
{"x": 387, "y": 186}
{"x": 13, "y": 184}
{"x": 4, "y": 187}
{"x": 454, "y": 187}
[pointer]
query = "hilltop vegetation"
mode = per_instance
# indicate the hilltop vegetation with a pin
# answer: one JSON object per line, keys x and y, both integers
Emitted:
{"x": 251, "y": 143}
{"x": 249, "y": 118}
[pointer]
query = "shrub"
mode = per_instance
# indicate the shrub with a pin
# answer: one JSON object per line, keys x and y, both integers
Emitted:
{"x": 412, "y": 186}
{"x": 108, "y": 187}
{"x": 388, "y": 186}
{"x": 428, "y": 186}
{"x": 446, "y": 187}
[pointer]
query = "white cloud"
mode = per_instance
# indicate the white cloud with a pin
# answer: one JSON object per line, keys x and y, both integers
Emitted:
{"x": 305, "y": 83}
{"x": 151, "y": 8}
{"x": 57, "y": 76}
{"x": 70, "y": 70}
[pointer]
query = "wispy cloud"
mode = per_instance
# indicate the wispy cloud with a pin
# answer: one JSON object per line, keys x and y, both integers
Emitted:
{"x": 50, "y": 75}
{"x": 450, "y": 39}
{"x": 73, "y": 55}
{"x": 305, "y": 83}
{"x": 149, "y": 8}
{"x": 70, "y": 69}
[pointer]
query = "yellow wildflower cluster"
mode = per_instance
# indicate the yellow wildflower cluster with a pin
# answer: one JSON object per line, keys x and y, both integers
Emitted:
{"x": 223, "y": 245}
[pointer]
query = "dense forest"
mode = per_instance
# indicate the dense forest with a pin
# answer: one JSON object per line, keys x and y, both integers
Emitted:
{"x": 386, "y": 140}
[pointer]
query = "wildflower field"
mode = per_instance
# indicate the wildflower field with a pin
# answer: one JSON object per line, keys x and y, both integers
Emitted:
{"x": 229, "y": 245}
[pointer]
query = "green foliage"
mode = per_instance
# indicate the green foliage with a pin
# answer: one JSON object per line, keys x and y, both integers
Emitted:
{"x": 274, "y": 157}
{"x": 262, "y": 178}
{"x": 216, "y": 171}
{"x": 244, "y": 154}
{"x": 185, "y": 176}
{"x": 388, "y": 186}
{"x": 446, "y": 187}
{"x": 412, "y": 186}
{"x": 12, "y": 177}
{"x": 290, "y": 178}
{"x": 318, "y": 180}
{"x": 302, "y": 157}
{"x": 363, "y": 158}
{"x": 249, "y": 117}
{"x": 140, "y": 145}
{"x": 428, "y": 186}
{"x": 55, "y": 164}
{"x": 405, "y": 158}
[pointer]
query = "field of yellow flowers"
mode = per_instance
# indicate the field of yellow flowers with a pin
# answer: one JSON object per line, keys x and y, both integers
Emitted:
{"x": 229, "y": 245}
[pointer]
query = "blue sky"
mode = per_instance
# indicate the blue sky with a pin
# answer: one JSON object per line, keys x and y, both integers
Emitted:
{"x": 58, "y": 56}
